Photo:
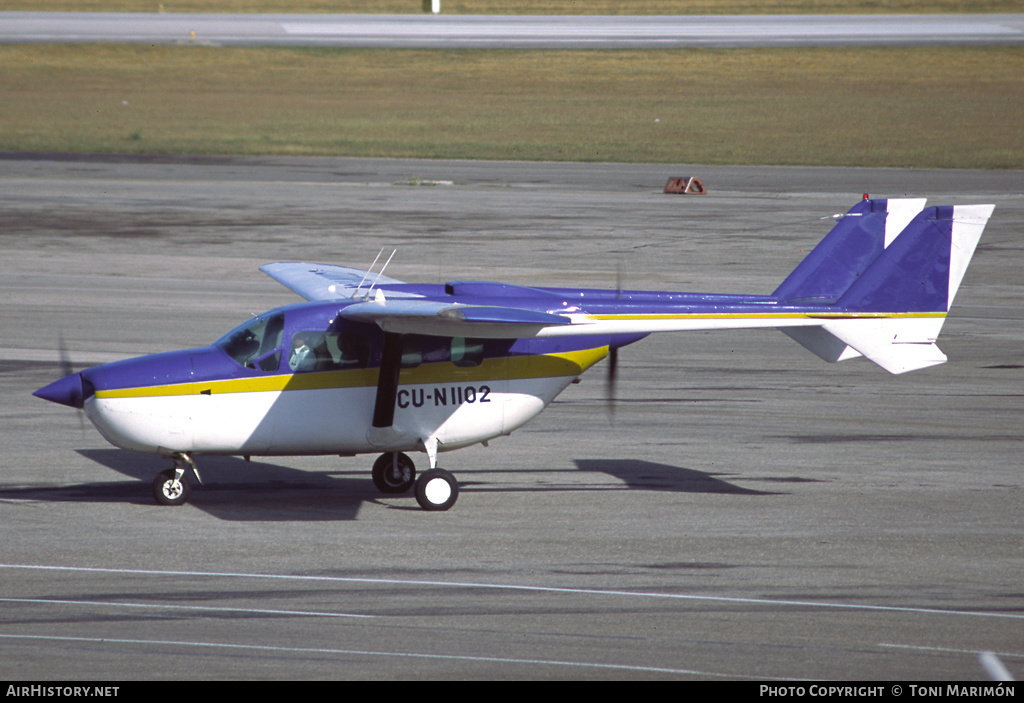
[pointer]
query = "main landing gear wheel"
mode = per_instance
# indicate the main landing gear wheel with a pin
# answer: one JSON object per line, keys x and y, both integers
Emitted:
{"x": 170, "y": 490}
{"x": 394, "y": 472}
{"x": 436, "y": 489}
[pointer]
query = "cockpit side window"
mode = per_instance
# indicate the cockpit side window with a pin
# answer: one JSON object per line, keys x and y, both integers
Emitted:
{"x": 256, "y": 344}
{"x": 317, "y": 350}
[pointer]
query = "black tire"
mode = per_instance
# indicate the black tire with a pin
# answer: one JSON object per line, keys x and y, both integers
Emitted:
{"x": 167, "y": 493}
{"x": 394, "y": 472}
{"x": 436, "y": 489}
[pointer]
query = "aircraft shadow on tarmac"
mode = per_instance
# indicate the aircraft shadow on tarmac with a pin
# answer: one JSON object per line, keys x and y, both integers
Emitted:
{"x": 234, "y": 489}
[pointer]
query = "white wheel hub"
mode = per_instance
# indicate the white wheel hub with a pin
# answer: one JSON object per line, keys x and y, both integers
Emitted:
{"x": 437, "y": 491}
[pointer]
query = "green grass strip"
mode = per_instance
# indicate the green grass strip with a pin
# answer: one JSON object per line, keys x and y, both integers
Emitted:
{"x": 955, "y": 107}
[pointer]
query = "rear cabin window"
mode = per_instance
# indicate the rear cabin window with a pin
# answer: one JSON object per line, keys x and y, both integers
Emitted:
{"x": 412, "y": 352}
{"x": 417, "y": 350}
{"x": 467, "y": 352}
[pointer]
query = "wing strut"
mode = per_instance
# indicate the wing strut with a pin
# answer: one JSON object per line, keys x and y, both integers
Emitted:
{"x": 387, "y": 382}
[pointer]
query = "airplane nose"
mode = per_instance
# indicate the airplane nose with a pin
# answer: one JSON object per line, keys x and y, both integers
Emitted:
{"x": 72, "y": 390}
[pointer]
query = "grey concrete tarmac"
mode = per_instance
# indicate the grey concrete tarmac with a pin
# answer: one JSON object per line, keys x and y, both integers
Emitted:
{"x": 746, "y": 511}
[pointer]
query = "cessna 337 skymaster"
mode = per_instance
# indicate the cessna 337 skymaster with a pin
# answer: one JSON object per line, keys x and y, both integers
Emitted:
{"x": 371, "y": 364}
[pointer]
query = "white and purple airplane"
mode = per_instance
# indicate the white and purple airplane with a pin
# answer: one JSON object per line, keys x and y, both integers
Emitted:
{"x": 374, "y": 365}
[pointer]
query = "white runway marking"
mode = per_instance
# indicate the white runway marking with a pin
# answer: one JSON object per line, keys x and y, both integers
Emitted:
{"x": 367, "y": 653}
{"x": 204, "y": 608}
{"x": 950, "y": 650}
{"x": 532, "y": 589}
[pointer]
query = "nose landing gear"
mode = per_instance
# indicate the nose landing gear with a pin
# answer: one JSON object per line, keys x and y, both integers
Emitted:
{"x": 172, "y": 487}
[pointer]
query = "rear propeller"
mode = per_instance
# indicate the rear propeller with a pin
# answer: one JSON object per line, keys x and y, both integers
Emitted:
{"x": 613, "y": 363}
{"x": 613, "y": 352}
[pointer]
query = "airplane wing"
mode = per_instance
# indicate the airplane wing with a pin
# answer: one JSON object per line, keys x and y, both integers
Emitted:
{"x": 395, "y": 308}
{"x": 325, "y": 282}
{"x": 865, "y": 290}
{"x": 445, "y": 319}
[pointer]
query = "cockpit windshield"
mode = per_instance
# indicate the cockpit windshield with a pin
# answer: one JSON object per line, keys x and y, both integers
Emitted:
{"x": 257, "y": 343}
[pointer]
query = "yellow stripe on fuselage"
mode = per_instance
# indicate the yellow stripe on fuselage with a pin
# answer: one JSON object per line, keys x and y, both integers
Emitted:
{"x": 766, "y": 316}
{"x": 511, "y": 368}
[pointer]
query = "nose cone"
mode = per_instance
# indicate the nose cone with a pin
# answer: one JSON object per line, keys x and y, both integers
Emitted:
{"x": 70, "y": 391}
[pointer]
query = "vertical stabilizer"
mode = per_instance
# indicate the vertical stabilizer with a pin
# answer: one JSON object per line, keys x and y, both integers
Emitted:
{"x": 846, "y": 252}
{"x": 858, "y": 239}
{"x": 894, "y": 312}
{"x": 921, "y": 271}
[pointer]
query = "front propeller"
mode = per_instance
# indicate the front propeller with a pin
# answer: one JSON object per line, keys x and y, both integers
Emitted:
{"x": 64, "y": 358}
{"x": 71, "y": 388}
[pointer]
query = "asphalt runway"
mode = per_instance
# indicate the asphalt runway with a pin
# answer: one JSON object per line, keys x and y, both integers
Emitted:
{"x": 514, "y": 32}
{"x": 745, "y": 511}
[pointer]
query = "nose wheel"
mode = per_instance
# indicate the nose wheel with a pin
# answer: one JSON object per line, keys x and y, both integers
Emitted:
{"x": 172, "y": 487}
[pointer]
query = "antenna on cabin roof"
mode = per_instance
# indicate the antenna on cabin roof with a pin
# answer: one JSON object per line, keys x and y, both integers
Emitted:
{"x": 369, "y": 273}
{"x": 381, "y": 273}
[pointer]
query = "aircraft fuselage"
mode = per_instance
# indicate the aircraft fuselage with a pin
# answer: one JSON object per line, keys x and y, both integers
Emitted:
{"x": 248, "y": 393}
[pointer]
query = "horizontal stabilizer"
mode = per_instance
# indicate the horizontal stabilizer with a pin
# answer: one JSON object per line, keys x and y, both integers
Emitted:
{"x": 893, "y": 311}
{"x": 825, "y": 344}
{"x": 896, "y": 344}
